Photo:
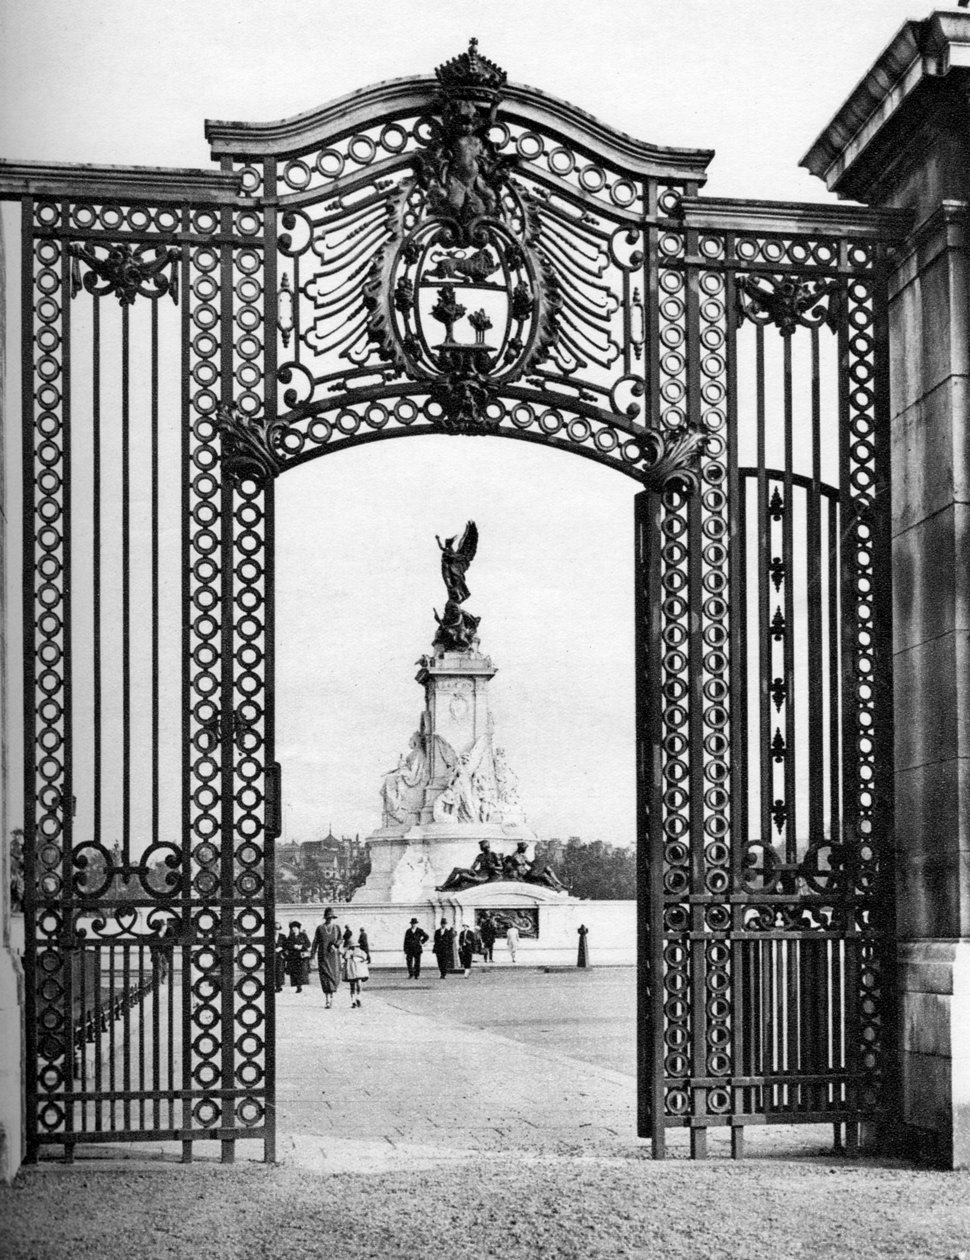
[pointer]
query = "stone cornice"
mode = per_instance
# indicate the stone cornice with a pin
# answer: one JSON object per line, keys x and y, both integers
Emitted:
{"x": 396, "y": 98}
{"x": 919, "y": 53}
{"x": 944, "y": 229}
{"x": 123, "y": 183}
{"x": 738, "y": 215}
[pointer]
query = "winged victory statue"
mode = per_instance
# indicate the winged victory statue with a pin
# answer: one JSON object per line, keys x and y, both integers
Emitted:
{"x": 457, "y": 629}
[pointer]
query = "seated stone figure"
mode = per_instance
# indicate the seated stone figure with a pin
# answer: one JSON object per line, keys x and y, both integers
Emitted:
{"x": 487, "y": 865}
{"x": 518, "y": 866}
{"x": 547, "y": 877}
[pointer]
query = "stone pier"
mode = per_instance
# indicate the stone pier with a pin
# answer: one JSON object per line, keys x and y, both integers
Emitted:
{"x": 902, "y": 139}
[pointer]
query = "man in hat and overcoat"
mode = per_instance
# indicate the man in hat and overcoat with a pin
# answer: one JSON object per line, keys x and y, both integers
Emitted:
{"x": 326, "y": 950}
{"x": 414, "y": 940}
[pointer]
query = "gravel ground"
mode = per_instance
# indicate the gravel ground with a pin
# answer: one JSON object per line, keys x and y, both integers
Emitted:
{"x": 504, "y": 1129}
{"x": 507, "y": 1207}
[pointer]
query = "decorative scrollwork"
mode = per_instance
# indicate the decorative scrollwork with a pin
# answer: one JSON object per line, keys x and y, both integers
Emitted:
{"x": 251, "y": 449}
{"x": 461, "y": 251}
{"x": 787, "y": 302}
{"x": 672, "y": 459}
{"x": 126, "y": 271}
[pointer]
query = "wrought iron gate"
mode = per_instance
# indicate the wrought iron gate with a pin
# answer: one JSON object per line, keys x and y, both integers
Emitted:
{"x": 188, "y": 337}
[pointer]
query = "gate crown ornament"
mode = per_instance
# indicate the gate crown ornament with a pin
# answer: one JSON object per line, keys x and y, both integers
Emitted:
{"x": 464, "y": 249}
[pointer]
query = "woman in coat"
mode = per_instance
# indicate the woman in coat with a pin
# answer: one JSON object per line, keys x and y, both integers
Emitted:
{"x": 296, "y": 948}
{"x": 326, "y": 949}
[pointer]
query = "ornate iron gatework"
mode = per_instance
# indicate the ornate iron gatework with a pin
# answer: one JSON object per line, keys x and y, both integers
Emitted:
{"x": 451, "y": 255}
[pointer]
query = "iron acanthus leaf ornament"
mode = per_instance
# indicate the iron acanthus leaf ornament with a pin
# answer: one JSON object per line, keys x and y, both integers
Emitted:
{"x": 671, "y": 458}
{"x": 464, "y": 255}
{"x": 126, "y": 272}
{"x": 788, "y": 301}
{"x": 251, "y": 448}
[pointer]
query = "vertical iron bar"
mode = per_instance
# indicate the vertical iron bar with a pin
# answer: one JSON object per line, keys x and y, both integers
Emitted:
{"x": 140, "y": 1020}
{"x": 80, "y": 1041}
{"x": 650, "y": 891}
{"x": 764, "y": 555}
{"x": 847, "y": 627}
{"x": 883, "y": 838}
{"x": 271, "y": 299}
{"x": 67, "y": 634}
{"x": 834, "y": 675}
{"x": 112, "y": 1009}
{"x": 28, "y": 613}
{"x": 98, "y": 1038}
{"x": 788, "y": 555}
{"x": 155, "y": 574}
{"x": 187, "y": 927}
{"x": 96, "y": 556}
{"x": 125, "y": 591}
{"x": 170, "y": 1029}
{"x": 695, "y": 670}
{"x": 227, "y": 746}
{"x": 737, "y": 703}
{"x": 816, "y": 763}
{"x": 816, "y": 776}
{"x": 649, "y": 722}
{"x": 158, "y": 966}
{"x": 126, "y": 1032}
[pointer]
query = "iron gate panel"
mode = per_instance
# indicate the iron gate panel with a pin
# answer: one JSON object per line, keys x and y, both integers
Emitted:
{"x": 729, "y": 356}
{"x": 148, "y": 1012}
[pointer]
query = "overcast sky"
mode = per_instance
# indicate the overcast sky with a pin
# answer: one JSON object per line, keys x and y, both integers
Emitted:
{"x": 357, "y": 562}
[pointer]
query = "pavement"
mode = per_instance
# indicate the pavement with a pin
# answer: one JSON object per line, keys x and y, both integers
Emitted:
{"x": 491, "y": 1115}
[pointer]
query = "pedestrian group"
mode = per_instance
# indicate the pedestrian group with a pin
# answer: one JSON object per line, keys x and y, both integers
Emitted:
{"x": 337, "y": 955}
{"x": 340, "y": 957}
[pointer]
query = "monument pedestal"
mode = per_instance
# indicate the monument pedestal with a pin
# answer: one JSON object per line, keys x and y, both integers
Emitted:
{"x": 410, "y": 865}
{"x": 451, "y": 794}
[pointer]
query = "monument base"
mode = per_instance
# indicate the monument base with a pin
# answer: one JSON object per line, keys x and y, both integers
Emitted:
{"x": 553, "y": 917}
{"x": 408, "y": 865}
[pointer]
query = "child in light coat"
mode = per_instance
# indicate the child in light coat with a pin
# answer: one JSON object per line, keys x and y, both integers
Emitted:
{"x": 355, "y": 965}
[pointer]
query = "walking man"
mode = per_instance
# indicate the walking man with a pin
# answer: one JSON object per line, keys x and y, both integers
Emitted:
{"x": 512, "y": 940}
{"x": 444, "y": 948}
{"x": 414, "y": 940}
{"x": 466, "y": 948}
{"x": 488, "y": 937}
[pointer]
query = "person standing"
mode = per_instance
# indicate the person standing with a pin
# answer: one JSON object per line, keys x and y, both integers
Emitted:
{"x": 364, "y": 944}
{"x": 414, "y": 940}
{"x": 280, "y": 959}
{"x": 296, "y": 949}
{"x": 466, "y": 947}
{"x": 355, "y": 967}
{"x": 444, "y": 948}
{"x": 326, "y": 949}
{"x": 512, "y": 940}
{"x": 488, "y": 937}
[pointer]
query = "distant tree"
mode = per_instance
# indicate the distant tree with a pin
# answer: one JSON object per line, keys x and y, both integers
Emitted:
{"x": 358, "y": 870}
{"x": 602, "y": 872}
